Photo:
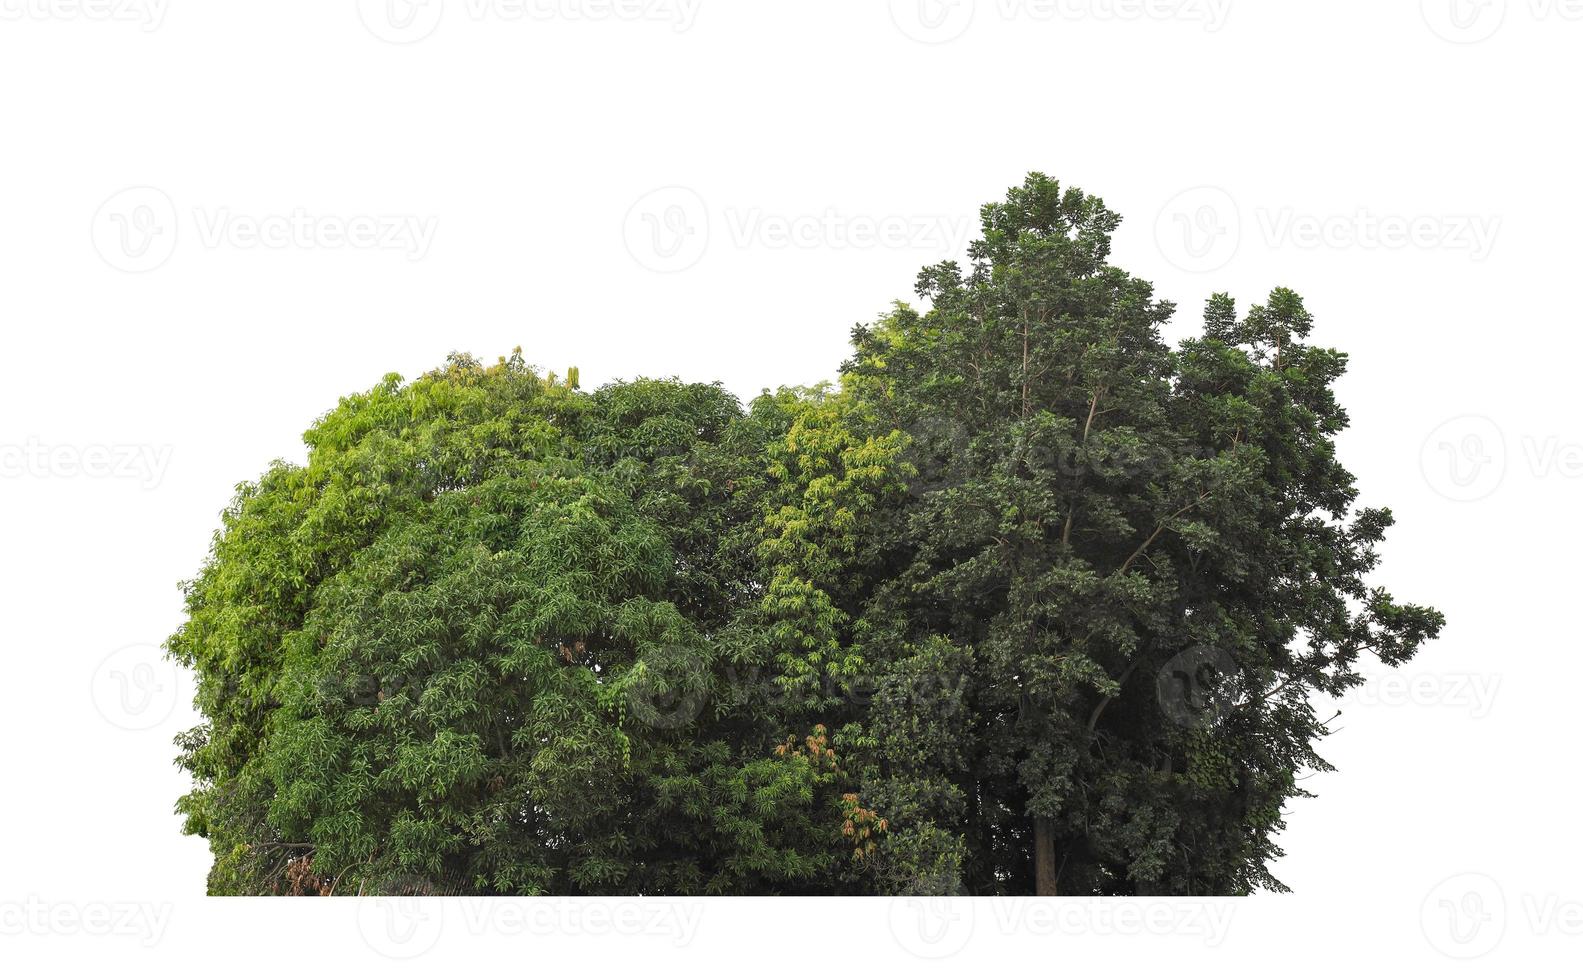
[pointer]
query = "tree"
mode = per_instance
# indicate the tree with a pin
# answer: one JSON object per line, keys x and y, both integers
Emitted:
{"x": 1148, "y": 557}
{"x": 469, "y": 646}
{"x": 1031, "y": 602}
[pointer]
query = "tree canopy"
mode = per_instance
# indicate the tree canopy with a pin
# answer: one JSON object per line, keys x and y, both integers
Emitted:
{"x": 1030, "y": 601}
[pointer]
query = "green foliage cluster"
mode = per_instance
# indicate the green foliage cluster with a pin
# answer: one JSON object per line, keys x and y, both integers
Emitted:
{"x": 1031, "y": 602}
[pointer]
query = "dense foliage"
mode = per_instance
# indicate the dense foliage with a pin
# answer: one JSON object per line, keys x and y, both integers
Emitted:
{"x": 1031, "y": 602}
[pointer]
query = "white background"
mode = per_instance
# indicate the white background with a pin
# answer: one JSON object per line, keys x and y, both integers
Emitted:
{"x": 696, "y": 189}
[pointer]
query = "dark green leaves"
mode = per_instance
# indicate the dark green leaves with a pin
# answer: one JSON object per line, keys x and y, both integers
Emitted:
{"x": 1030, "y": 597}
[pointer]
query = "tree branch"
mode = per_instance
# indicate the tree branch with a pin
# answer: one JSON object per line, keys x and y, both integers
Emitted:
{"x": 1158, "y": 530}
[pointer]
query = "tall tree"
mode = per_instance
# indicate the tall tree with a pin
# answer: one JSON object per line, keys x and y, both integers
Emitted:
{"x": 1149, "y": 557}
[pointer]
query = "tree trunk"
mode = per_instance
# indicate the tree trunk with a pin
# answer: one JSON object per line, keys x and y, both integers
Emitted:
{"x": 1044, "y": 868}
